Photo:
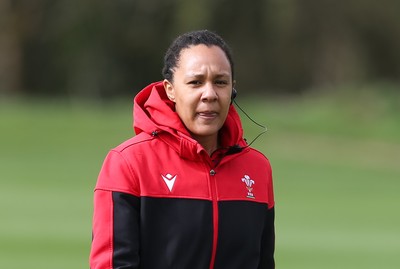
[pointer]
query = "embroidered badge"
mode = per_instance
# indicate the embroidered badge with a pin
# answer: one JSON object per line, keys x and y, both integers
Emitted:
{"x": 249, "y": 183}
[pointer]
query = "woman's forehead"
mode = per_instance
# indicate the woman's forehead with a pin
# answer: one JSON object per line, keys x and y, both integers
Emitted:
{"x": 196, "y": 58}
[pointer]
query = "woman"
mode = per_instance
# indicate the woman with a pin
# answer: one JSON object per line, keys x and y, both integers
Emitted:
{"x": 185, "y": 192}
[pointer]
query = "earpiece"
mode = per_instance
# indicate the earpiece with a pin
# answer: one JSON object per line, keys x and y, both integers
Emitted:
{"x": 234, "y": 94}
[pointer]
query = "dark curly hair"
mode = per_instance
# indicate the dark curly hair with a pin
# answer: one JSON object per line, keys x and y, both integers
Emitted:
{"x": 184, "y": 41}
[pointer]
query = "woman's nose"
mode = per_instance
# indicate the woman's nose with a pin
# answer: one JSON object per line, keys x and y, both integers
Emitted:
{"x": 209, "y": 93}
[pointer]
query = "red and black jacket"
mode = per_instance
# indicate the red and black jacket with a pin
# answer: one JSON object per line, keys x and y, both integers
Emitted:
{"x": 162, "y": 202}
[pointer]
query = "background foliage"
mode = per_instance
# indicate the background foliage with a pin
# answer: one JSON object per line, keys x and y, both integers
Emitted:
{"x": 100, "y": 49}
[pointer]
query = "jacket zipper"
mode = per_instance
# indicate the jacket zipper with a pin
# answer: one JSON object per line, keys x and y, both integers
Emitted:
{"x": 213, "y": 185}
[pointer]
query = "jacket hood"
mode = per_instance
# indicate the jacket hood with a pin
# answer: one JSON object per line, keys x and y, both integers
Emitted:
{"x": 154, "y": 113}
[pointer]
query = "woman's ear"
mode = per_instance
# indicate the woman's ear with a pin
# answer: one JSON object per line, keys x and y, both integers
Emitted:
{"x": 169, "y": 90}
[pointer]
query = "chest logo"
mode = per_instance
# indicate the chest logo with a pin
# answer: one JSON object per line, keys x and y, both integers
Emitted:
{"x": 249, "y": 183}
{"x": 169, "y": 180}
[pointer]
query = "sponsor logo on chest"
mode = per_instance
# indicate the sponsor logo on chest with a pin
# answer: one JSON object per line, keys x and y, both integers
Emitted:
{"x": 169, "y": 180}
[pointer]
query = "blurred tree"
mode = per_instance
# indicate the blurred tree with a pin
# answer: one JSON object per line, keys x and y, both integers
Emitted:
{"x": 377, "y": 24}
{"x": 96, "y": 48}
{"x": 10, "y": 49}
{"x": 241, "y": 24}
{"x": 192, "y": 14}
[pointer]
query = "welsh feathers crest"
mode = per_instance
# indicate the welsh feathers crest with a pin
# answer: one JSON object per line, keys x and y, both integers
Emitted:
{"x": 249, "y": 183}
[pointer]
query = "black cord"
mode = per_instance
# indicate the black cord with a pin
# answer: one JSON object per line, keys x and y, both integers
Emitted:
{"x": 262, "y": 126}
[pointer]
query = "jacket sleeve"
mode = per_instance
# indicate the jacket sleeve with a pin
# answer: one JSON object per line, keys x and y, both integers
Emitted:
{"x": 115, "y": 242}
{"x": 267, "y": 260}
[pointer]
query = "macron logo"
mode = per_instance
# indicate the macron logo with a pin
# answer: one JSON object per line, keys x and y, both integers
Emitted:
{"x": 169, "y": 180}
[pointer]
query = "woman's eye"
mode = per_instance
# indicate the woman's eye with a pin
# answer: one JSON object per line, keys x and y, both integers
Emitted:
{"x": 195, "y": 82}
{"x": 221, "y": 82}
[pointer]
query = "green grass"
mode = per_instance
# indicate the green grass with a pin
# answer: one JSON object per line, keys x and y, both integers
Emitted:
{"x": 336, "y": 170}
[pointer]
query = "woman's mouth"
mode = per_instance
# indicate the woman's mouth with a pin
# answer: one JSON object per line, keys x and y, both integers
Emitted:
{"x": 208, "y": 115}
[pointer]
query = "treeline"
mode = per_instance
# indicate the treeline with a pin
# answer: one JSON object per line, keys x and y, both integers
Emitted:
{"x": 101, "y": 49}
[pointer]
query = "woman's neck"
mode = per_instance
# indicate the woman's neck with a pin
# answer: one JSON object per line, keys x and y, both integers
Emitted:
{"x": 209, "y": 143}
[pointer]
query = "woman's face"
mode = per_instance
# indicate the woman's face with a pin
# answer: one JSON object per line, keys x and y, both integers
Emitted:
{"x": 201, "y": 90}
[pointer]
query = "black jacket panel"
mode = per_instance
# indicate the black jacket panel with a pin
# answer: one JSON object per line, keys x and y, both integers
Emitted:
{"x": 243, "y": 234}
{"x": 178, "y": 232}
{"x": 125, "y": 230}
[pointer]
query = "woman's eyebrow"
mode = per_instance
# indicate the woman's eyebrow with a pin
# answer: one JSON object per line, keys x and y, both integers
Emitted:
{"x": 200, "y": 75}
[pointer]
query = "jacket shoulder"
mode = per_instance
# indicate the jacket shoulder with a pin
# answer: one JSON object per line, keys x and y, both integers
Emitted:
{"x": 133, "y": 142}
{"x": 258, "y": 155}
{"x": 117, "y": 172}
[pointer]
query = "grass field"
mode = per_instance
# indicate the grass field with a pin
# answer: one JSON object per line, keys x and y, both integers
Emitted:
{"x": 336, "y": 163}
